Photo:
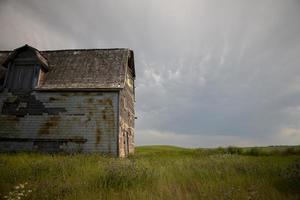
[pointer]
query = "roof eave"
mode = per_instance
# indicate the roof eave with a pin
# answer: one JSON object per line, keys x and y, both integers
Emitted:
{"x": 77, "y": 89}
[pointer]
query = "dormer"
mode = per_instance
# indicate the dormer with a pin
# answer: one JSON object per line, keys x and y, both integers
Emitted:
{"x": 25, "y": 69}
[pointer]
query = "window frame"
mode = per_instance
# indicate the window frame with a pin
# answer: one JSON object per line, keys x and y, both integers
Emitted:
{"x": 32, "y": 65}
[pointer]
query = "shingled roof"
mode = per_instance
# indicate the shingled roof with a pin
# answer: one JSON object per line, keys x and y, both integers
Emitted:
{"x": 82, "y": 68}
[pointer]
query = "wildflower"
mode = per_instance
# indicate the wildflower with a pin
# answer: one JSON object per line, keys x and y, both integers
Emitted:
{"x": 17, "y": 187}
{"x": 29, "y": 191}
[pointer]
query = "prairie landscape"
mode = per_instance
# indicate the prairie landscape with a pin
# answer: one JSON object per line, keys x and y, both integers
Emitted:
{"x": 155, "y": 172}
{"x": 110, "y": 76}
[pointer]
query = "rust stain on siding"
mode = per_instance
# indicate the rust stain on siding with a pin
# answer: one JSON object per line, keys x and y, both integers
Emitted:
{"x": 98, "y": 135}
{"x": 9, "y": 123}
{"x": 12, "y": 118}
{"x": 104, "y": 114}
{"x": 105, "y": 101}
{"x": 50, "y": 123}
{"x": 108, "y": 102}
{"x": 90, "y": 100}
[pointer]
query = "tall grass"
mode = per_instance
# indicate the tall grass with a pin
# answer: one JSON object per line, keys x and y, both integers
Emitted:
{"x": 154, "y": 172}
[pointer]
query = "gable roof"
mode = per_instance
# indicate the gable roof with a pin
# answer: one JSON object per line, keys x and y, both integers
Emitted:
{"x": 42, "y": 61}
{"x": 83, "y": 68}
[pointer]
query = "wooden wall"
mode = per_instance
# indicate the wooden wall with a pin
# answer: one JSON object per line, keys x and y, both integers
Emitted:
{"x": 127, "y": 117}
{"x": 59, "y": 122}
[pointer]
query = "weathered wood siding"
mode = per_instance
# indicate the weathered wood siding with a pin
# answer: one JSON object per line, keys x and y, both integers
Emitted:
{"x": 59, "y": 121}
{"x": 127, "y": 117}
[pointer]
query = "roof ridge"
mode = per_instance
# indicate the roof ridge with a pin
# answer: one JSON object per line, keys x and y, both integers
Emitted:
{"x": 56, "y": 50}
{"x": 105, "y": 49}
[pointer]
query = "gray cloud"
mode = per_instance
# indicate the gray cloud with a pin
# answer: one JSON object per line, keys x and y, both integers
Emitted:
{"x": 209, "y": 73}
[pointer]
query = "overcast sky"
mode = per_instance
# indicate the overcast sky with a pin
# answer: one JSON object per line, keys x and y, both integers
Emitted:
{"x": 209, "y": 73}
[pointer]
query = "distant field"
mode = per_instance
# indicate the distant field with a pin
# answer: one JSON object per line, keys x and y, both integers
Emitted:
{"x": 155, "y": 172}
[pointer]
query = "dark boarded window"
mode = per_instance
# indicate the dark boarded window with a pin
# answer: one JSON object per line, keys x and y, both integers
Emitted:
{"x": 23, "y": 77}
{"x": 2, "y": 77}
{"x": 23, "y": 73}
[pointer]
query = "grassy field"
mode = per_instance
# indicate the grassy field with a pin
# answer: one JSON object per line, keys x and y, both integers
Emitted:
{"x": 155, "y": 172}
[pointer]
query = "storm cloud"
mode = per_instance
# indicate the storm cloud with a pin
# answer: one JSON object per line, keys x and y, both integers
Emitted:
{"x": 209, "y": 73}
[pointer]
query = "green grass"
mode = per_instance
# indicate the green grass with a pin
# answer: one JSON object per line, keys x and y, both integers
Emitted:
{"x": 155, "y": 172}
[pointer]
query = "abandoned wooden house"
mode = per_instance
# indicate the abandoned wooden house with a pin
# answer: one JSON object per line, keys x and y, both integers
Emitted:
{"x": 67, "y": 100}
